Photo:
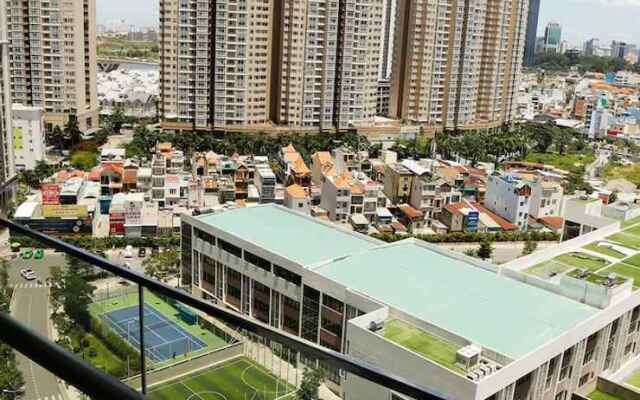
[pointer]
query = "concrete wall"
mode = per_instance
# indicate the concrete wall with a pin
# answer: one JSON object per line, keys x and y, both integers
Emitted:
{"x": 373, "y": 348}
{"x": 622, "y": 392}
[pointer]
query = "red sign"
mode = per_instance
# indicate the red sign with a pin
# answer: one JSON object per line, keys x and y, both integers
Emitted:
{"x": 50, "y": 193}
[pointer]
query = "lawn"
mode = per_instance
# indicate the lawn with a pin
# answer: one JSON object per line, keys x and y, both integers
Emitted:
{"x": 547, "y": 269}
{"x": 582, "y": 260}
{"x": 628, "y": 172}
{"x": 421, "y": 342}
{"x": 238, "y": 379}
{"x": 624, "y": 270}
{"x": 630, "y": 222}
{"x": 565, "y": 162}
{"x": 104, "y": 359}
{"x": 604, "y": 249}
{"x": 634, "y": 379}
{"x": 626, "y": 240}
{"x": 635, "y": 231}
{"x": 634, "y": 260}
{"x": 598, "y": 395}
{"x": 213, "y": 341}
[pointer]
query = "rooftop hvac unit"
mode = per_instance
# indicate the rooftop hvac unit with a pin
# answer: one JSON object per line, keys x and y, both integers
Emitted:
{"x": 611, "y": 279}
{"x": 582, "y": 273}
{"x": 468, "y": 356}
{"x": 376, "y": 326}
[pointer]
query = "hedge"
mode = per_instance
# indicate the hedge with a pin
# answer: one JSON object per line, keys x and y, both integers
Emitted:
{"x": 102, "y": 244}
{"x": 116, "y": 344}
{"x": 475, "y": 237}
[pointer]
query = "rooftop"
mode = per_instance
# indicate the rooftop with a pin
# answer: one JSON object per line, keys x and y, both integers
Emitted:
{"x": 421, "y": 342}
{"x": 459, "y": 297}
{"x": 289, "y": 234}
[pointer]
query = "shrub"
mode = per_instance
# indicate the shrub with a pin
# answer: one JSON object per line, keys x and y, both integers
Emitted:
{"x": 116, "y": 344}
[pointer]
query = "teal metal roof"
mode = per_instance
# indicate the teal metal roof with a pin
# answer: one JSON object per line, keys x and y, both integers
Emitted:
{"x": 496, "y": 312}
{"x": 286, "y": 233}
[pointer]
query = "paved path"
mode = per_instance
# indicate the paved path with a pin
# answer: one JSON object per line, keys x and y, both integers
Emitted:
{"x": 30, "y": 306}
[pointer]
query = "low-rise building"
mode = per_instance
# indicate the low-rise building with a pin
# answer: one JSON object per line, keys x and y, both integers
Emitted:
{"x": 508, "y": 196}
{"x": 546, "y": 198}
{"x": 29, "y": 145}
{"x": 296, "y": 198}
{"x": 398, "y": 180}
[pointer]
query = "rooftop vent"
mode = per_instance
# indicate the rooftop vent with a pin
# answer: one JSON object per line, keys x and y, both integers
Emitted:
{"x": 468, "y": 356}
{"x": 582, "y": 273}
{"x": 376, "y": 326}
{"x": 611, "y": 279}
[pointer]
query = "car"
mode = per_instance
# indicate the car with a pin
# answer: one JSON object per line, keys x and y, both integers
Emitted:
{"x": 38, "y": 254}
{"x": 28, "y": 274}
{"x": 128, "y": 252}
{"x": 26, "y": 254}
{"x": 142, "y": 252}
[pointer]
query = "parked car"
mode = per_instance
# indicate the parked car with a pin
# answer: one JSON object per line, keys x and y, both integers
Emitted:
{"x": 38, "y": 254}
{"x": 26, "y": 254}
{"x": 128, "y": 252}
{"x": 28, "y": 274}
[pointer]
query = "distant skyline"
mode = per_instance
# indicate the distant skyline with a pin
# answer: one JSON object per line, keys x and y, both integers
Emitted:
{"x": 580, "y": 19}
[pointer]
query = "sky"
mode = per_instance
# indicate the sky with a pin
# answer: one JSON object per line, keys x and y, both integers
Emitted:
{"x": 584, "y": 19}
{"x": 580, "y": 19}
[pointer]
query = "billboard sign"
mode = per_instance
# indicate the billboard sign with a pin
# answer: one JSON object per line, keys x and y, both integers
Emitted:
{"x": 17, "y": 138}
{"x": 50, "y": 193}
{"x": 473, "y": 217}
{"x": 64, "y": 211}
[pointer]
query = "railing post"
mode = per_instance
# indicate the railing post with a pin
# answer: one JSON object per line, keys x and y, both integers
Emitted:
{"x": 143, "y": 372}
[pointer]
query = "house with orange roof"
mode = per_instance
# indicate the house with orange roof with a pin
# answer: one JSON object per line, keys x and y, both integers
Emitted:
{"x": 297, "y": 198}
{"x": 350, "y": 193}
{"x": 321, "y": 167}
{"x": 111, "y": 177}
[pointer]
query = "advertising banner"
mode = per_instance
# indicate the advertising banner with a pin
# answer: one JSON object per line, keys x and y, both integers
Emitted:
{"x": 64, "y": 211}
{"x": 50, "y": 193}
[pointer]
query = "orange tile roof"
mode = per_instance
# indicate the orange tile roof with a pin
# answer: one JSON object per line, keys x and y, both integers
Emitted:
{"x": 357, "y": 188}
{"x": 130, "y": 175}
{"x": 296, "y": 191}
{"x": 410, "y": 212}
{"x": 291, "y": 157}
{"x": 552, "y": 221}
{"x": 504, "y": 224}
{"x": 323, "y": 157}
{"x": 299, "y": 167}
{"x": 94, "y": 175}
{"x": 343, "y": 180}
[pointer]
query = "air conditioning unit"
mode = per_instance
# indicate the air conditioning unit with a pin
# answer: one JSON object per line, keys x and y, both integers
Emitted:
{"x": 376, "y": 326}
{"x": 468, "y": 356}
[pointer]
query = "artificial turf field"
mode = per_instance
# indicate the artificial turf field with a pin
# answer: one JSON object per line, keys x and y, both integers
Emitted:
{"x": 237, "y": 379}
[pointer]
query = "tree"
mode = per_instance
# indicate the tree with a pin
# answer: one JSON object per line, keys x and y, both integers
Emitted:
{"x": 72, "y": 132}
{"x": 71, "y": 296}
{"x": 55, "y": 138}
{"x": 529, "y": 247}
{"x": 162, "y": 265}
{"x": 310, "y": 384}
{"x": 11, "y": 379}
{"x": 485, "y": 250}
{"x": 117, "y": 118}
{"x": 84, "y": 160}
{"x": 542, "y": 134}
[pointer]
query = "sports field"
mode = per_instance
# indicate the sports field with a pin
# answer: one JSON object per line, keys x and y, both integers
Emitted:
{"x": 167, "y": 335}
{"x": 238, "y": 379}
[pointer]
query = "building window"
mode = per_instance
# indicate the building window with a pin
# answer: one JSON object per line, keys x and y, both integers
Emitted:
{"x": 287, "y": 275}
{"x": 257, "y": 261}
{"x": 561, "y": 396}
{"x": 229, "y": 248}
{"x": 584, "y": 379}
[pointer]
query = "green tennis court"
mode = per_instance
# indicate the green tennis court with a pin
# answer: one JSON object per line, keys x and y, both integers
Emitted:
{"x": 237, "y": 379}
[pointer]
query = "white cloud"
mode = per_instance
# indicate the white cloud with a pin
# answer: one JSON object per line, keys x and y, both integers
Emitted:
{"x": 614, "y": 3}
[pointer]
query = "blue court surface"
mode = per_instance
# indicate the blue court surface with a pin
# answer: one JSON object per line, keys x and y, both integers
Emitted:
{"x": 163, "y": 338}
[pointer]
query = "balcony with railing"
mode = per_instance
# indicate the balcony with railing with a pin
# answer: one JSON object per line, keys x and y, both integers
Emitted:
{"x": 82, "y": 324}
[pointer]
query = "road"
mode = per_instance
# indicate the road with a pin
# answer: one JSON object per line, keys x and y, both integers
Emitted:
{"x": 30, "y": 306}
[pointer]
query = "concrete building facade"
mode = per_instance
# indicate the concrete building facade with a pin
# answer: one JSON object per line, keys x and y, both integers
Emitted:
{"x": 233, "y": 64}
{"x": 7, "y": 164}
{"x": 456, "y": 63}
{"x": 28, "y": 136}
{"x": 509, "y": 197}
{"x": 53, "y": 59}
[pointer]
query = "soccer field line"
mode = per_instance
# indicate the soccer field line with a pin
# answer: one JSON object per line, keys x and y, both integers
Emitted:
{"x": 189, "y": 375}
{"x": 265, "y": 373}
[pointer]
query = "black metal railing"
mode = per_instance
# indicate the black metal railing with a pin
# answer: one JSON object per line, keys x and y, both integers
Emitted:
{"x": 99, "y": 385}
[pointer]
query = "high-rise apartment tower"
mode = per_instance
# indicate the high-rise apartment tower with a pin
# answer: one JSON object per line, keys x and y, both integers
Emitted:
{"x": 7, "y": 163}
{"x": 457, "y": 62}
{"x": 53, "y": 58}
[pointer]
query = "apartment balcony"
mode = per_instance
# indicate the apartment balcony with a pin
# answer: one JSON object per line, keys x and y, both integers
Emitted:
{"x": 128, "y": 308}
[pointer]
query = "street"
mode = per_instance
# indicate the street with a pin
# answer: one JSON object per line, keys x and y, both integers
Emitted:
{"x": 30, "y": 306}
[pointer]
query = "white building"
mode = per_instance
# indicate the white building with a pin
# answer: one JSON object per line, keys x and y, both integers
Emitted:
{"x": 546, "y": 199}
{"x": 28, "y": 136}
{"x": 494, "y": 334}
{"x": 345, "y": 195}
{"x": 265, "y": 181}
{"x": 509, "y": 197}
{"x": 297, "y": 199}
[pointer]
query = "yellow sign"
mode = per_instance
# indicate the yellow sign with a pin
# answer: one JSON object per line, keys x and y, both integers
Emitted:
{"x": 17, "y": 138}
{"x": 64, "y": 211}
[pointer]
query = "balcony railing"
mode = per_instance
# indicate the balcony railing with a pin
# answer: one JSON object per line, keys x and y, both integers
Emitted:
{"x": 99, "y": 385}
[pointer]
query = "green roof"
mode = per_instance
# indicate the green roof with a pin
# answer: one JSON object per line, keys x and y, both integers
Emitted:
{"x": 496, "y": 312}
{"x": 289, "y": 234}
